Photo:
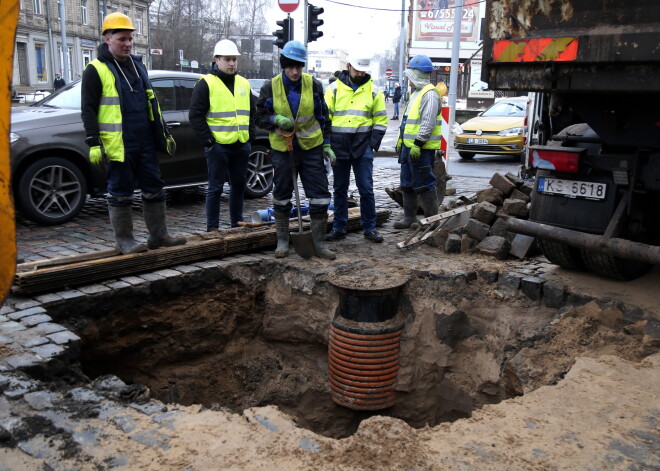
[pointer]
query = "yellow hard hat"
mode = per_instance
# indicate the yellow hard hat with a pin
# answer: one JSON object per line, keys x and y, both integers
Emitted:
{"x": 442, "y": 88}
{"x": 117, "y": 20}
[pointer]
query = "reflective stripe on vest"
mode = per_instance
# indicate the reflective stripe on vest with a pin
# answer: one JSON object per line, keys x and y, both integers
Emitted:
{"x": 414, "y": 120}
{"x": 229, "y": 115}
{"x": 109, "y": 114}
{"x": 356, "y": 111}
{"x": 308, "y": 129}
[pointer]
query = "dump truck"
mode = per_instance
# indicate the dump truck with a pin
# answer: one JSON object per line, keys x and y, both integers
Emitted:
{"x": 593, "y": 149}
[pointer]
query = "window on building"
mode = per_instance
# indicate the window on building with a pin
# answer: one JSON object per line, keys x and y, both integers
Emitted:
{"x": 266, "y": 45}
{"x": 138, "y": 21}
{"x": 38, "y": 7}
{"x": 83, "y": 11}
{"x": 127, "y": 13}
{"x": 247, "y": 45}
{"x": 87, "y": 57}
{"x": 21, "y": 5}
{"x": 266, "y": 67}
{"x": 40, "y": 60}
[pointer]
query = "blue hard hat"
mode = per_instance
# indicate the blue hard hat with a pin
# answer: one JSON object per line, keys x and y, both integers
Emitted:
{"x": 295, "y": 50}
{"x": 421, "y": 62}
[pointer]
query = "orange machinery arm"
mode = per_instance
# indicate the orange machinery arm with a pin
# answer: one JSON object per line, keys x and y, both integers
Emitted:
{"x": 8, "y": 23}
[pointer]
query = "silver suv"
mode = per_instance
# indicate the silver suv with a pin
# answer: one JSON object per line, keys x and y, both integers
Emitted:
{"x": 51, "y": 172}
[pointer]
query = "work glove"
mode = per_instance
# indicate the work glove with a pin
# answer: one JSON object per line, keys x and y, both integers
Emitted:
{"x": 97, "y": 155}
{"x": 329, "y": 154}
{"x": 284, "y": 123}
{"x": 415, "y": 154}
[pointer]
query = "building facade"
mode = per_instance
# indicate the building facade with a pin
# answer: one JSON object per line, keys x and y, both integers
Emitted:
{"x": 38, "y": 52}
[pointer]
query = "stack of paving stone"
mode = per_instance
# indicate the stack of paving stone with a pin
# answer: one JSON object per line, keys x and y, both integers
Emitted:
{"x": 483, "y": 228}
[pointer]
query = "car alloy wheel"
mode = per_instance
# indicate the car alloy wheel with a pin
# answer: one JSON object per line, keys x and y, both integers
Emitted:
{"x": 259, "y": 180}
{"x": 51, "y": 191}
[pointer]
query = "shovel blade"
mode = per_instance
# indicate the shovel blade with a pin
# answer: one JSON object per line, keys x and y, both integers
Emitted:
{"x": 303, "y": 244}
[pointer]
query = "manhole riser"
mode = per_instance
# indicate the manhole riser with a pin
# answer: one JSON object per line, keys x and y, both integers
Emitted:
{"x": 359, "y": 380}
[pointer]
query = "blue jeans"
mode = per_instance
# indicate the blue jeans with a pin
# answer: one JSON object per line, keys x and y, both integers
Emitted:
{"x": 418, "y": 176}
{"x": 363, "y": 168}
{"x": 226, "y": 163}
{"x": 311, "y": 168}
{"x": 396, "y": 109}
{"x": 140, "y": 167}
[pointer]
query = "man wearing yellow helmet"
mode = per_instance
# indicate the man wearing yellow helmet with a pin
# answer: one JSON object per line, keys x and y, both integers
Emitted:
{"x": 125, "y": 129}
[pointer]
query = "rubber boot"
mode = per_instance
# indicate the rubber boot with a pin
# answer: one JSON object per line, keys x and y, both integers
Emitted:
{"x": 410, "y": 204}
{"x": 282, "y": 229}
{"x": 154, "y": 218}
{"x": 429, "y": 203}
{"x": 319, "y": 229}
{"x": 121, "y": 218}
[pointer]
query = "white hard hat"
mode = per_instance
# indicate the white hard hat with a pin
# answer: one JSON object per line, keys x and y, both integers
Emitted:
{"x": 225, "y": 47}
{"x": 359, "y": 63}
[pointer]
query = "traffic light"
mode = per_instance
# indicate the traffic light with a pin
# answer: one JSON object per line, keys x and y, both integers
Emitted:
{"x": 313, "y": 22}
{"x": 285, "y": 34}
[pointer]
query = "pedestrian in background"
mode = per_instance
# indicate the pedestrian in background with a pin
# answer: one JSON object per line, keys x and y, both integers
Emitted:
{"x": 419, "y": 139}
{"x": 58, "y": 82}
{"x": 386, "y": 94}
{"x": 359, "y": 122}
{"x": 293, "y": 102}
{"x": 222, "y": 115}
{"x": 396, "y": 98}
{"x": 125, "y": 129}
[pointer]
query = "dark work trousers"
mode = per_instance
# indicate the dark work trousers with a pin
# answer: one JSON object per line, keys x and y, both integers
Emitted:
{"x": 363, "y": 169}
{"x": 140, "y": 165}
{"x": 418, "y": 175}
{"x": 226, "y": 162}
{"x": 311, "y": 168}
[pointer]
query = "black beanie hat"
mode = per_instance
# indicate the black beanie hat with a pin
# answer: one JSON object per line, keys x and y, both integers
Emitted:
{"x": 286, "y": 62}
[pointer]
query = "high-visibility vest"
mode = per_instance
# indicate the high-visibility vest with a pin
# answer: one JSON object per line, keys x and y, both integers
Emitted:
{"x": 229, "y": 115}
{"x": 355, "y": 111}
{"x": 109, "y": 116}
{"x": 307, "y": 128}
{"x": 413, "y": 122}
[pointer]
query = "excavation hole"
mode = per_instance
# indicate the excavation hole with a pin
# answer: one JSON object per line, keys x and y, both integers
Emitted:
{"x": 257, "y": 340}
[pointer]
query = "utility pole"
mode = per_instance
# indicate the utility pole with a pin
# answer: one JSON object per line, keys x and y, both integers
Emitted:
{"x": 402, "y": 44}
{"x": 453, "y": 73}
{"x": 65, "y": 48}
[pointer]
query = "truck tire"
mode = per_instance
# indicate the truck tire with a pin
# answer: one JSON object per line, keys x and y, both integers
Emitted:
{"x": 467, "y": 155}
{"x": 613, "y": 267}
{"x": 563, "y": 255}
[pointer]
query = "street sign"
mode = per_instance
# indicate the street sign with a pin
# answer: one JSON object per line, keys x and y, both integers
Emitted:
{"x": 388, "y": 72}
{"x": 288, "y": 6}
{"x": 180, "y": 54}
{"x": 185, "y": 63}
{"x": 156, "y": 52}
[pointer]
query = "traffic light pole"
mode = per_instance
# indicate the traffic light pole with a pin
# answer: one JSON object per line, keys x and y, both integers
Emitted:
{"x": 305, "y": 32}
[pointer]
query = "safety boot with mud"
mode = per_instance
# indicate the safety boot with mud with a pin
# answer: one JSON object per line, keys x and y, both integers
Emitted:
{"x": 410, "y": 205}
{"x": 319, "y": 229}
{"x": 282, "y": 230}
{"x": 429, "y": 200}
{"x": 154, "y": 218}
{"x": 121, "y": 218}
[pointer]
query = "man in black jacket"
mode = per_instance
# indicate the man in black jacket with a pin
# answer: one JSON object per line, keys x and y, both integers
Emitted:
{"x": 125, "y": 129}
{"x": 58, "y": 82}
{"x": 396, "y": 98}
{"x": 222, "y": 115}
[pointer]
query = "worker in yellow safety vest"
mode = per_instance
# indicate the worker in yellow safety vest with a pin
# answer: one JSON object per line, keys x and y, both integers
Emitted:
{"x": 359, "y": 121}
{"x": 125, "y": 129}
{"x": 293, "y": 102}
{"x": 419, "y": 139}
{"x": 222, "y": 115}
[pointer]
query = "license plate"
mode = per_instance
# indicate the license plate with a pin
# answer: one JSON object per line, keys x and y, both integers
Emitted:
{"x": 571, "y": 188}
{"x": 477, "y": 141}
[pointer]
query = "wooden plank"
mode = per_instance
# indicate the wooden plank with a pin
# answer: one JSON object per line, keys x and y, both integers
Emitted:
{"x": 65, "y": 272}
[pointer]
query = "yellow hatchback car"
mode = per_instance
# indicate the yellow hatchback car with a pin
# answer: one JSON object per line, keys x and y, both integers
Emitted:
{"x": 498, "y": 130}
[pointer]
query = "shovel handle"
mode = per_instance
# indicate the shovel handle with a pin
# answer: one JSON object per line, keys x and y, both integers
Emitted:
{"x": 289, "y": 139}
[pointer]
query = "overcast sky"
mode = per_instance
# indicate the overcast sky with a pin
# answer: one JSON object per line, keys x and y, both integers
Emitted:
{"x": 364, "y": 31}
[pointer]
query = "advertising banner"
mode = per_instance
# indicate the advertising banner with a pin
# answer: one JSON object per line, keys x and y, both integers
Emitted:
{"x": 433, "y": 20}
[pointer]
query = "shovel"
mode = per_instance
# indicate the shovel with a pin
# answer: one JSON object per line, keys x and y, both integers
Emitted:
{"x": 303, "y": 242}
